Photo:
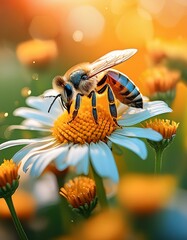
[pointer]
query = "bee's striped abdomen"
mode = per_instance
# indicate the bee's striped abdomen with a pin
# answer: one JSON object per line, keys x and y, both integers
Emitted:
{"x": 124, "y": 89}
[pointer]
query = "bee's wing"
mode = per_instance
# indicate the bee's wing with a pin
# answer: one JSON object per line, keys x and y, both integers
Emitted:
{"x": 109, "y": 60}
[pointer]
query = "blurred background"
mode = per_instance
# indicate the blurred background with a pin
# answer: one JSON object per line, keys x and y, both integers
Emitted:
{"x": 42, "y": 39}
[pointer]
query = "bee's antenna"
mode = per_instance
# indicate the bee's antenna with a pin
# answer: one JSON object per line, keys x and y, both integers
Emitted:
{"x": 55, "y": 98}
{"x": 64, "y": 106}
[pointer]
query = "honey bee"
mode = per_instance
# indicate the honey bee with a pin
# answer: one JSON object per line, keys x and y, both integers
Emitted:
{"x": 87, "y": 79}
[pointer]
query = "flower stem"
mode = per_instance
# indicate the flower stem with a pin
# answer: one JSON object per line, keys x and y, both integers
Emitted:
{"x": 15, "y": 218}
{"x": 99, "y": 188}
{"x": 158, "y": 161}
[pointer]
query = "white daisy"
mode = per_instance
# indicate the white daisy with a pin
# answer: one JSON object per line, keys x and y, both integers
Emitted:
{"x": 82, "y": 141}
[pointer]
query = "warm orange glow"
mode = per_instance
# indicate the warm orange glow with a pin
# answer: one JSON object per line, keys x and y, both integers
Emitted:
{"x": 36, "y": 52}
{"x": 44, "y": 27}
{"x": 107, "y": 225}
{"x": 24, "y": 203}
{"x": 145, "y": 193}
{"x": 130, "y": 32}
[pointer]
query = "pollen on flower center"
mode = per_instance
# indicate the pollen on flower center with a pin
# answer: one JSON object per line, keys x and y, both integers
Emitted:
{"x": 83, "y": 128}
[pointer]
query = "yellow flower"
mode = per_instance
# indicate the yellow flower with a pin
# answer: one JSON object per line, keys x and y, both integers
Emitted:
{"x": 168, "y": 131}
{"x": 80, "y": 192}
{"x": 37, "y": 52}
{"x": 8, "y": 178}
{"x": 165, "y": 127}
{"x": 160, "y": 79}
{"x": 160, "y": 83}
{"x": 145, "y": 193}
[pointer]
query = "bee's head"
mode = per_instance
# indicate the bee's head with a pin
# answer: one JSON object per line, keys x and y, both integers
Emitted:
{"x": 66, "y": 90}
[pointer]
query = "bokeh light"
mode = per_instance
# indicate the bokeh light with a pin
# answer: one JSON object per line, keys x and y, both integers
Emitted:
{"x": 44, "y": 27}
{"x": 90, "y": 24}
{"x": 141, "y": 22}
{"x": 37, "y": 52}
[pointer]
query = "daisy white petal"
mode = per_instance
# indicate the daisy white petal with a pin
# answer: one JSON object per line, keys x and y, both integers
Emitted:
{"x": 36, "y": 155}
{"x": 60, "y": 160}
{"x": 83, "y": 164}
{"x": 33, "y": 128}
{"x": 139, "y": 132}
{"x": 41, "y": 117}
{"x": 17, "y": 142}
{"x": 80, "y": 151}
{"x": 43, "y": 103}
{"x": 133, "y": 116}
{"x": 103, "y": 161}
{"x": 31, "y": 123}
{"x": 42, "y": 162}
{"x": 32, "y": 146}
{"x": 134, "y": 144}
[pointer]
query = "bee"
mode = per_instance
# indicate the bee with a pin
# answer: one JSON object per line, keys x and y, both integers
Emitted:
{"x": 87, "y": 79}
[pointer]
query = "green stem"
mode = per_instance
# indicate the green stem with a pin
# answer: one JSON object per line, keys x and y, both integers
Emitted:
{"x": 64, "y": 209}
{"x": 15, "y": 218}
{"x": 99, "y": 188}
{"x": 158, "y": 161}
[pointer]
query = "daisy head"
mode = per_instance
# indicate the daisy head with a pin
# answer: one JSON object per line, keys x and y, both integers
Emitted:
{"x": 81, "y": 141}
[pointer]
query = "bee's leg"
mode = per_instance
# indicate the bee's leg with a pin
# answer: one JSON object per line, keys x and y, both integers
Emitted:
{"x": 77, "y": 106}
{"x": 112, "y": 105}
{"x": 92, "y": 95}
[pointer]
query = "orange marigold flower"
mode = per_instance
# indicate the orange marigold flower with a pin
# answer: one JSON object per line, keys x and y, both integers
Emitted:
{"x": 79, "y": 191}
{"x": 8, "y": 178}
{"x": 8, "y": 172}
{"x": 165, "y": 127}
{"x": 160, "y": 79}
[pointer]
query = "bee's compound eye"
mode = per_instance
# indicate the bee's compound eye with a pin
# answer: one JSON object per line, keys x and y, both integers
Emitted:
{"x": 84, "y": 77}
{"x": 68, "y": 90}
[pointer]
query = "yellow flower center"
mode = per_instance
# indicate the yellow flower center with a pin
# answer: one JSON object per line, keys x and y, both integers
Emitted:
{"x": 164, "y": 126}
{"x": 8, "y": 172}
{"x": 79, "y": 191}
{"x": 83, "y": 128}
